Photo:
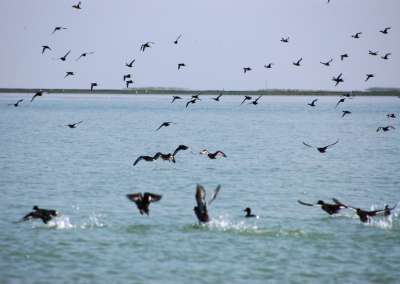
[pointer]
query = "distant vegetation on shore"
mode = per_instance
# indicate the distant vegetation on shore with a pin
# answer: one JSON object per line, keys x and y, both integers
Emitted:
{"x": 175, "y": 91}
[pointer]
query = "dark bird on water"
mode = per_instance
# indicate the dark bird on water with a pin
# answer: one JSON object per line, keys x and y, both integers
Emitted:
{"x": 312, "y": 104}
{"x": 321, "y": 149}
{"x": 365, "y": 216}
{"x": 145, "y": 45}
{"x": 341, "y": 100}
{"x": 338, "y": 79}
{"x": 255, "y": 102}
{"x": 16, "y": 104}
{"x": 356, "y": 35}
{"x": 297, "y": 63}
{"x": 345, "y": 112}
{"x": 165, "y": 124}
{"x": 213, "y": 155}
{"x": 246, "y": 69}
{"x": 38, "y": 213}
{"x": 84, "y": 55}
{"x": 327, "y": 207}
{"x": 58, "y": 29}
{"x": 285, "y": 40}
{"x": 69, "y": 73}
{"x": 177, "y": 39}
{"x": 246, "y": 98}
{"x": 268, "y": 66}
{"x": 37, "y": 94}
{"x": 174, "y": 98}
{"x": 218, "y": 97}
{"x": 385, "y": 128}
{"x": 373, "y": 53}
{"x": 63, "y": 58}
{"x": 77, "y": 6}
{"x": 180, "y": 65}
{"x": 248, "y": 213}
{"x": 92, "y": 85}
{"x": 128, "y": 83}
{"x": 385, "y": 30}
{"x": 328, "y": 63}
{"x": 74, "y": 125}
{"x": 200, "y": 210}
{"x": 45, "y": 47}
{"x": 369, "y": 76}
{"x": 343, "y": 56}
{"x": 386, "y": 56}
{"x": 130, "y": 64}
{"x": 143, "y": 201}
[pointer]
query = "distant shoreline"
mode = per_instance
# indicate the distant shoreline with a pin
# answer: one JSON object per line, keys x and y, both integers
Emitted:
{"x": 161, "y": 91}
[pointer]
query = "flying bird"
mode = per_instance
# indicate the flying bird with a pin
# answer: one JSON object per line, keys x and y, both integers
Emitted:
{"x": 356, "y": 35}
{"x": 145, "y": 45}
{"x": 45, "y": 47}
{"x": 74, "y": 125}
{"x": 84, "y": 55}
{"x": 192, "y": 101}
{"x": 297, "y": 63}
{"x": 177, "y": 39}
{"x": 200, "y": 210}
{"x": 268, "y": 66}
{"x": 331, "y": 209}
{"x": 341, "y": 100}
{"x": 128, "y": 83}
{"x": 386, "y": 56}
{"x": 338, "y": 79}
{"x": 385, "y": 30}
{"x": 63, "y": 58}
{"x": 385, "y": 128}
{"x": 246, "y": 98}
{"x": 343, "y": 56}
{"x": 312, "y": 104}
{"x": 92, "y": 85}
{"x": 255, "y": 102}
{"x": 328, "y": 63}
{"x": 165, "y": 124}
{"x": 321, "y": 149}
{"x": 213, "y": 155}
{"x": 130, "y": 64}
{"x": 37, "y": 94}
{"x": 145, "y": 158}
{"x": 174, "y": 98}
{"x": 345, "y": 112}
{"x": 373, "y": 53}
{"x": 143, "y": 201}
{"x": 181, "y": 65}
{"x": 285, "y": 40}
{"x": 16, "y": 104}
{"x": 127, "y": 76}
{"x": 69, "y": 73}
{"x": 77, "y": 6}
{"x": 38, "y": 213}
{"x": 246, "y": 69}
{"x": 218, "y": 97}
{"x": 369, "y": 76}
{"x": 58, "y": 29}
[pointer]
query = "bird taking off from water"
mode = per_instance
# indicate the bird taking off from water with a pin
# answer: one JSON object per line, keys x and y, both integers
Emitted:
{"x": 201, "y": 210}
{"x": 38, "y": 213}
{"x": 143, "y": 201}
{"x": 328, "y": 208}
{"x": 16, "y": 104}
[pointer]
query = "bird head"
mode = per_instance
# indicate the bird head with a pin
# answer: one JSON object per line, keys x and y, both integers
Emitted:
{"x": 35, "y": 207}
{"x": 320, "y": 202}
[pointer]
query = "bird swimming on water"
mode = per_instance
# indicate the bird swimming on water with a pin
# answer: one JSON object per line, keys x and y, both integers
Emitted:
{"x": 213, "y": 155}
{"x": 321, "y": 149}
{"x": 328, "y": 208}
{"x": 201, "y": 210}
{"x": 391, "y": 115}
{"x": 38, "y": 213}
{"x": 143, "y": 201}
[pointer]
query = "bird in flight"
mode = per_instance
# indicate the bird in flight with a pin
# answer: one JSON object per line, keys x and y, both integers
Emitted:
{"x": 385, "y": 128}
{"x": 16, "y": 104}
{"x": 285, "y": 40}
{"x": 246, "y": 98}
{"x": 246, "y": 69}
{"x": 192, "y": 101}
{"x": 312, "y": 104}
{"x": 321, "y": 149}
{"x": 58, "y": 29}
{"x": 373, "y": 53}
{"x": 77, "y": 6}
{"x": 74, "y": 125}
{"x": 37, "y": 94}
{"x": 268, "y": 66}
{"x": 69, "y": 73}
{"x": 92, "y": 85}
{"x": 180, "y": 65}
{"x": 255, "y": 102}
{"x": 200, "y": 210}
{"x": 127, "y": 76}
{"x": 297, "y": 63}
{"x": 345, "y": 112}
{"x": 130, "y": 64}
{"x": 63, "y": 58}
{"x": 38, "y": 213}
{"x": 386, "y": 56}
{"x": 213, "y": 155}
{"x": 356, "y": 35}
{"x": 385, "y": 30}
{"x": 327, "y": 207}
{"x": 369, "y": 76}
{"x": 45, "y": 47}
{"x": 177, "y": 39}
{"x": 84, "y": 55}
{"x": 391, "y": 115}
{"x": 174, "y": 98}
{"x": 128, "y": 83}
{"x": 165, "y": 124}
{"x": 145, "y": 45}
{"x": 218, "y": 97}
{"x": 338, "y": 79}
{"x": 343, "y": 56}
{"x": 341, "y": 100}
{"x": 328, "y": 63}
{"x": 143, "y": 201}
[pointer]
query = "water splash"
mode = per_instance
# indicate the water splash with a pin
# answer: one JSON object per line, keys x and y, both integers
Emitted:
{"x": 64, "y": 223}
{"x": 224, "y": 223}
{"x": 61, "y": 223}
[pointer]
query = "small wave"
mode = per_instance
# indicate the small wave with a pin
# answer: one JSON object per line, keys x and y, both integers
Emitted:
{"x": 64, "y": 223}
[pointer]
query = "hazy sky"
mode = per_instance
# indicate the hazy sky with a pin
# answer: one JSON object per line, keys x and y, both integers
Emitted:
{"x": 219, "y": 38}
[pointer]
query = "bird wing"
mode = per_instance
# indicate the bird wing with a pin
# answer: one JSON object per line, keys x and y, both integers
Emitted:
{"x": 160, "y": 126}
{"x": 178, "y": 37}
{"x": 304, "y": 203}
{"x": 314, "y": 101}
{"x": 220, "y": 153}
{"x": 135, "y": 197}
{"x": 200, "y": 195}
{"x": 152, "y": 197}
{"x": 180, "y": 147}
{"x": 337, "y": 141}
{"x": 215, "y": 194}
{"x": 340, "y": 101}
{"x": 308, "y": 145}
{"x": 137, "y": 160}
{"x": 339, "y": 203}
{"x": 243, "y": 100}
{"x": 188, "y": 103}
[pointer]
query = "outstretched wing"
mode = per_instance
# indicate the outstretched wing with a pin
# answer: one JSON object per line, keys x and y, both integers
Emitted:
{"x": 152, "y": 197}
{"x": 215, "y": 194}
{"x": 308, "y": 145}
{"x": 137, "y": 160}
{"x": 200, "y": 195}
{"x": 134, "y": 197}
{"x": 339, "y": 203}
{"x": 304, "y": 203}
{"x": 337, "y": 141}
{"x": 180, "y": 147}
{"x": 220, "y": 153}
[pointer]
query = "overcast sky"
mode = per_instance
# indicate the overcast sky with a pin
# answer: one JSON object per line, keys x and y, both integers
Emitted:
{"x": 219, "y": 38}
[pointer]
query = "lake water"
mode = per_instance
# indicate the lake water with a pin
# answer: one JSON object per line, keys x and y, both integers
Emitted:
{"x": 86, "y": 172}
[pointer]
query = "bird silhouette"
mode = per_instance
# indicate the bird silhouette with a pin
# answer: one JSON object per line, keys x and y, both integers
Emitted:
{"x": 356, "y": 35}
{"x": 63, "y": 58}
{"x": 145, "y": 158}
{"x": 391, "y": 115}
{"x": 192, "y": 101}
{"x": 327, "y": 207}
{"x": 297, "y": 63}
{"x": 385, "y": 128}
{"x": 343, "y": 56}
{"x": 321, "y": 149}
{"x": 312, "y": 104}
{"x": 16, "y": 104}
{"x": 69, "y": 73}
{"x": 145, "y": 45}
{"x": 386, "y": 56}
{"x": 248, "y": 213}
{"x": 127, "y": 76}
{"x": 213, "y": 155}
{"x": 180, "y": 65}
{"x": 328, "y": 63}
{"x": 369, "y": 76}
{"x": 246, "y": 98}
{"x": 77, "y": 6}
{"x": 373, "y": 53}
{"x": 128, "y": 83}
{"x": 255, "y": 102}
{"x": 246, "y": 69}
{"x": 165, "y": 124}
{"x": 84, "y": 55}
{"x": 268, "y": 66}
{"x": 338, "y": 79}
{"x": 74, "y": 125}
{"x": 58, "y": 29}
{"x": 385, "y": 30}
{"x": 130, "y": 64}
{"x": 143, "y": 201}
{"x": 174, "y": 98}
{"x": 340, "y": 101}
{"x": 177, "y": 39}
{"x": 285, "y": 40}
{"x": 45, "y": 47}
{"x": 92, "y": 85}
{"x": 200, "y": 210}
{"x": 218, "y": 97}
{"x": 38, "y": 213}
{"x": 345, "y": 112}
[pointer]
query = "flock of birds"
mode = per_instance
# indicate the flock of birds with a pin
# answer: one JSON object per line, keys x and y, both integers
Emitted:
{"x": 144, "y": 200}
